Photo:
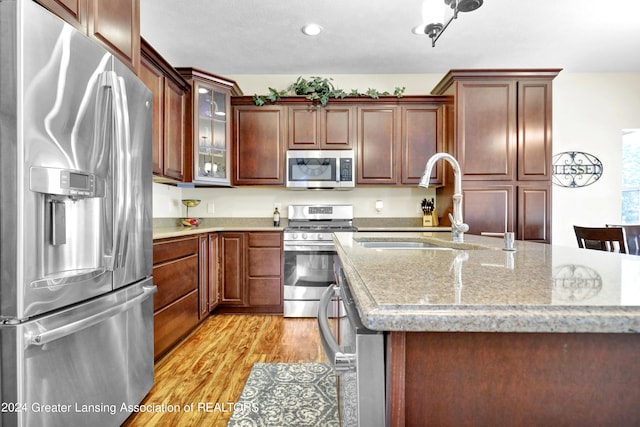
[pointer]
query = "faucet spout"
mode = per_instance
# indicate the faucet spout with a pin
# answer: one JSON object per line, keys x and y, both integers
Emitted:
{"x": 458, "y": 227}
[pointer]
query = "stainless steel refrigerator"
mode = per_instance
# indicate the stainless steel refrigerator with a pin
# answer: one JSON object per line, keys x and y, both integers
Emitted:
{"x": 76, "y": 306}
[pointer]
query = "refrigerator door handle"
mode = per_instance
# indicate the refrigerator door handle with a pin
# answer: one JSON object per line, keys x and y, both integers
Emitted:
{"x": 120, "y": 164}
{"x": 46, "y": 337}
{"x": 122, "y": 168}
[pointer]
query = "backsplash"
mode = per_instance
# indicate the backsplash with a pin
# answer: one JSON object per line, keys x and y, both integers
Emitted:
{"x": 241, "y": 202}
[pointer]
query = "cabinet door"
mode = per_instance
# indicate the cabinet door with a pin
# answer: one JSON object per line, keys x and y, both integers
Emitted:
{"x": 378, "y": 147}
{"x": 259, "y": 149}
{"x": 337, "y": 131}
{"x": 211, "y": 134}
{"x": 303, "y": 129}
{"x": 72, "y": 11}
{"x": 422, "y": 137}
{"x": 203, "y": 277}
{"x": 232, "y": 268}
{"x": 175, "y": 107}
{"x": 116, "y": 23}
{"x": 534, "y": 212}
{"x": 486, "y": 129}
{"x": 312, "y": 127}
{"x": 154, "y": 79}
{"x": 488, "y": 207}
{"x": 214, "y": 278}
{"x": 534, "y": 130}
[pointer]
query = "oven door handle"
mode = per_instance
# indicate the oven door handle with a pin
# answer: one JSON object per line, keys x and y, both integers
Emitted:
{"x": 341, "y": 362}
{"x": 319, "y": 247}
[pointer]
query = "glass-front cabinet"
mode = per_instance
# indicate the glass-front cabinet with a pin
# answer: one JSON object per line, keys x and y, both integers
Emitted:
{"x": 211, "y": 154}
{"x": 211, "y": 128}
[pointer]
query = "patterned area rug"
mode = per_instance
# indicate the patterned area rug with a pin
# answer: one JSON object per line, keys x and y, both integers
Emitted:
{"x": 287, "y": 395}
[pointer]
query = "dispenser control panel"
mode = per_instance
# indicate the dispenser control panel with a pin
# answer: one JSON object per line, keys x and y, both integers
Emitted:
{"x": 65, "y": 182}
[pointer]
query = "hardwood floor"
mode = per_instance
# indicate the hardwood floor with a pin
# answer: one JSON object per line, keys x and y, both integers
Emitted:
{"x": 210, "y": 367}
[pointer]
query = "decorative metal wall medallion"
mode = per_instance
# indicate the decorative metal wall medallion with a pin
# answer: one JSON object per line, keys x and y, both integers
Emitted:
{"x": 576, "y": 169}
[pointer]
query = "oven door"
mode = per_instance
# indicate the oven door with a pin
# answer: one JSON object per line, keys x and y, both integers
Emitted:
{"x": 357, "y": 356}
{"x": 308, "y": 270}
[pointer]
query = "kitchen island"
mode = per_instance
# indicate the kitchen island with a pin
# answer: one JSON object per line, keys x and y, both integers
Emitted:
{"x": 476, "y": 335}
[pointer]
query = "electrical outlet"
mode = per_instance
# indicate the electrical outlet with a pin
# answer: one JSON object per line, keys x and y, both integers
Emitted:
{"x": 210, "y": 208}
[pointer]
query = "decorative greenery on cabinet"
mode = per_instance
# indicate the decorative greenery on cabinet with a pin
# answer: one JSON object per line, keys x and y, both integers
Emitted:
{"x": 319, "y": 89}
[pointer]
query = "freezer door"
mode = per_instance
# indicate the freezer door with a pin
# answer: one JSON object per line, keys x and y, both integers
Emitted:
{"x": 90, "y": 363}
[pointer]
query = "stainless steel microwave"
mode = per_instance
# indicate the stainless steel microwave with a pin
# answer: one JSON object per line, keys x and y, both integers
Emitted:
{"x": 320, "y": 169}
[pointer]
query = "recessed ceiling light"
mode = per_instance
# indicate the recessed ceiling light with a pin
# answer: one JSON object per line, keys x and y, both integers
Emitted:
{"x": 312, "y": 29}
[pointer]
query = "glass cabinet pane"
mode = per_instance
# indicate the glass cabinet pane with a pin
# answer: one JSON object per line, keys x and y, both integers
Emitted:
{"x": 211, "y": 160}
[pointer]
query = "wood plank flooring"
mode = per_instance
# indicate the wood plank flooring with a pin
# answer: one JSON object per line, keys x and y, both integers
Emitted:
{"x": 210, "y": 367}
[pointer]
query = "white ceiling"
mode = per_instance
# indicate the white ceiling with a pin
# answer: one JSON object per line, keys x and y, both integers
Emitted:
{"x": 230, "y": 37}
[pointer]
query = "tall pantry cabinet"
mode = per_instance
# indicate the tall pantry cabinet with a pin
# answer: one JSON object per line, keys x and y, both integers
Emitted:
{"x": 503, "y": 142}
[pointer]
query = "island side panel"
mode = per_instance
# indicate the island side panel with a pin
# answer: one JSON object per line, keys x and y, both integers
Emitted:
{"x": 470, "y": 379}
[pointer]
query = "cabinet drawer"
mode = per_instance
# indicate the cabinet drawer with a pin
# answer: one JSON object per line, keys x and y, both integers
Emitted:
{"x": 175, "y": 279}
{"x": 267, "y": 239}
{"x": 174, "y": 249}
{"x": 174, "y": 322}
{"x": 264, "y": 262}
{"x": 265, "y": 291}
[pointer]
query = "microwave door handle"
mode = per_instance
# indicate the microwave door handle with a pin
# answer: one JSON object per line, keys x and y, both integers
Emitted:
{"x": 341, "y": 362}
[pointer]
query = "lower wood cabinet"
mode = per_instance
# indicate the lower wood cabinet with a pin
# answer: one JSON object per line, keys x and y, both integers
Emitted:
{"x": 496, "y": 207}
{"x": 238, "y": 272}
{"x": 175, "y": 273}
{"x": 208, "y": 274}
{"x": 251, "y": 266}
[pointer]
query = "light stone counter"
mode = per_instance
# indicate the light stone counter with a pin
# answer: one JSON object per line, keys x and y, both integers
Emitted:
{"x": 482, "y": 288}
{"x": 166, "y": 228}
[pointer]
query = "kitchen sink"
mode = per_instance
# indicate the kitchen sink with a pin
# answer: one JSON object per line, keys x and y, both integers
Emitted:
{"x": 415, "y": 243}
{"x": 403, "y": 245}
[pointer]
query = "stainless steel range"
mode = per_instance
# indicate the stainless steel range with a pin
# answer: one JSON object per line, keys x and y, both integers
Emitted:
{"x": 309, "y": 254}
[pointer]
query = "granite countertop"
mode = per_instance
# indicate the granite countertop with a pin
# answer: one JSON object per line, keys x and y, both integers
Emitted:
{"x": 478, "y": 287}
{"x": 169, "y": 227}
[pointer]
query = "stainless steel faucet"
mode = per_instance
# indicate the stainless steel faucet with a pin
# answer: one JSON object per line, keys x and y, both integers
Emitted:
{"x": 458, "y": 227}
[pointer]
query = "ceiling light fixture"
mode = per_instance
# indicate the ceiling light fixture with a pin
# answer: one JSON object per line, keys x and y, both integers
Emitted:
{"x": 312, "y": 29}
{"x": 434, "y": 11}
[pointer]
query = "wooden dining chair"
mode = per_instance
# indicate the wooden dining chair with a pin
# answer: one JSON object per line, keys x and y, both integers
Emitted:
{"x": 601, "y": 238}
{"x": 631, "y": 236}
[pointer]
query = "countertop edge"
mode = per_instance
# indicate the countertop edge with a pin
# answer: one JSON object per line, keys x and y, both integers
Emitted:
{"x": 510, "y": 319}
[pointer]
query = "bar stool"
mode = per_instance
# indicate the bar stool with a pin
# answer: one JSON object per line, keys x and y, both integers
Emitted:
{"x": 631, "y": 236}
{"x": 601, "y": 238}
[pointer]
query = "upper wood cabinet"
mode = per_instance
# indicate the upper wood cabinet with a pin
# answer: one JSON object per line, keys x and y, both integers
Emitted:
{"x": 503, "y": 122}
{"x": 378, "y": 144}
{"x": 503, "y": 142}
{"x": 312, "y": 127}
{"x": 393, "y": 137}
{"x": 423, "y": 135}
{"x": 114, "y": 23}
{"x": 258, "y": 144}
{"x": 171, "y": 148}
{"x": 210, "y": 119}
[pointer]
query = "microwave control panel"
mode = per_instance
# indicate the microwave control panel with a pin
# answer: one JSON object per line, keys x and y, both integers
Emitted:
{"x": 346, "y": 169}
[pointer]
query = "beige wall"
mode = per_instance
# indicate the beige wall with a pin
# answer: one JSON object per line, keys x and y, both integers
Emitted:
{"x": 590, "y": 111}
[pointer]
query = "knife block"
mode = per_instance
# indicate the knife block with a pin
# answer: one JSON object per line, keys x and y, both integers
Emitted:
{"x": 430, "y": 220}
